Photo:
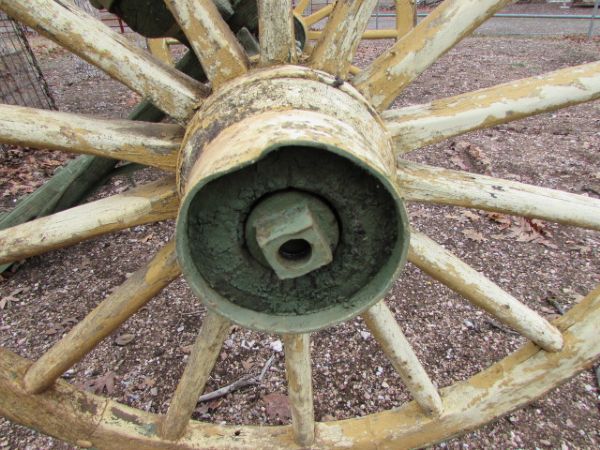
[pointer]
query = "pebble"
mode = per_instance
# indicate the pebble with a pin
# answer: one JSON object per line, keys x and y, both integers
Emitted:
{"x": 365, "y": 335}
{"x": 276, "y": 346}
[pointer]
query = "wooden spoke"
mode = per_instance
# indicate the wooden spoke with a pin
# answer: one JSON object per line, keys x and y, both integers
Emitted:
{"x": 388, "y": 334}
{"x": 215, "y": 45}
{"x": 94, "y": 421}
{"x": 134, "y": 293}
{"x": 318, "y": 16}
{"x": 343, "y": 32}
{"x": 389, "y": 74}
{"x": 354, "y": 70}
{"x": 160, "y": 48}
{"x": 202, "y": 359}
{"x": 300, "y": 393}
{"x": 406, "y": 16}
{"x": 418, "y": 182}
{"x": 152, "y": 144}
{"x": 442, "y": 265}
{"x": 369, "y": 34}
{"x": 420, "y": 125}
{"x": 170, "y": 90}
{"x": 150, "y": 203}
{"x": 301, "y": 6}
{"x": 276, "y": 29}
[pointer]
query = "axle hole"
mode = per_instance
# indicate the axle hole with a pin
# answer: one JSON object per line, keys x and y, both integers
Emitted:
{"x": 295, "y": 250}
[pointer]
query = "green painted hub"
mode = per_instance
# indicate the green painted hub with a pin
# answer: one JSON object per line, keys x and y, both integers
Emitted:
{"x": 226, "y": 270}
{"x": 293, "y": 233}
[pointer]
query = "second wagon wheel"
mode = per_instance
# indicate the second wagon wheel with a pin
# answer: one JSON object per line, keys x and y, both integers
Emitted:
{"x": 289, "y": 201}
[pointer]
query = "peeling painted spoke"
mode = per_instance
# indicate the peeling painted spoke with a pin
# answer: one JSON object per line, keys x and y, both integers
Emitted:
{"x": 389, "y": 74}
{"x": 388, "y": 334}
{"x": 276, "y": 29}
{"x": 170, "y": 90}
{"x": 202, "y": 359}
{"x": 416, "y": 126}
{"x": 299, "y": 378}
{"x": 343, "y": 32}
{"x": 301, "y": 6}
{"x": 406, "y": 16}
{"x": 146, "y": 204}
{"x": 318, "y": 16}
{"x": 219, "y": 52}
{"x": 152, "y": 144}
{"x": 418, "y": 182}
{"x": 443, "y": 266}
{"x": 134, "y": 293}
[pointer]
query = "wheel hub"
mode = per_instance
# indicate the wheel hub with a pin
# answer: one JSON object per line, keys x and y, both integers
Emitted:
{"x": 288, "y": 222}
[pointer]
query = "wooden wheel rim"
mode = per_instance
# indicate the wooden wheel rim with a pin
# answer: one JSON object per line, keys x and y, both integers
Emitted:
{"x": 88, "y": 420}
{"x": 91, "y": 421}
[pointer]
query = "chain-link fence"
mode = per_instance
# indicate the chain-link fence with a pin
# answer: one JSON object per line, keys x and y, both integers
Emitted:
{"x": 382, "y": 6}
{"x": 21, "y": 81}
{"x": 383, "y": 16}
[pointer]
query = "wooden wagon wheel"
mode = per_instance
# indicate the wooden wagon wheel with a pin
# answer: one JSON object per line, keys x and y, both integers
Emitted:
{"x": 288, "y": 175}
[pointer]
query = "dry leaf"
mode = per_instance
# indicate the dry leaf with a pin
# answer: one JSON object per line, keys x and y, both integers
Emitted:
{"x": 186, "y": 348}
{"x": 474, "y": 235}
{"x": 459, "y": 162}
{"x": 459, "y": 218}
{"x": 104, "y": 383}
{"x": 502, "y": 219}
{"x": 11, "y": 298}
{"x": 277, "y": 405}
{"x": 470, "y": 215}
{"x": 247, "y": 364}
{"x": 124, "y": 339}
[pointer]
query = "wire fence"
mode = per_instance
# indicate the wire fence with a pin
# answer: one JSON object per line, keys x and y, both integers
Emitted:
{"x": 21, "y": 80}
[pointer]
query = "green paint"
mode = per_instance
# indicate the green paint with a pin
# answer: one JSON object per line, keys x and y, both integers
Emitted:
{"x": 293, "y": 233}
{"x": 216, "y": 260}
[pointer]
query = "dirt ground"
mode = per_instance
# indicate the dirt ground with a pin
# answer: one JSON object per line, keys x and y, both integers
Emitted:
{"x": 539, "y": 264}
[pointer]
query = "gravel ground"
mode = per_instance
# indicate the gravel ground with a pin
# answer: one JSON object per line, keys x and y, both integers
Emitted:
{"x": 453, "y": 339}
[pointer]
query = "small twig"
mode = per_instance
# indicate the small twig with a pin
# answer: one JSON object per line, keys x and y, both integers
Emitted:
{"x": 500, "y": 327}
{"x": 598, "y": 375}
{"x": 557, "y": 306}
{"x": 243, "y": 382}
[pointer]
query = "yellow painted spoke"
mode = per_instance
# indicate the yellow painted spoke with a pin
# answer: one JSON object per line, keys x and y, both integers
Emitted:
{"x": 219, "y": 52}
{"x": 443, "y": 266}
{"x": 146, "y": 204}
{"x": 276, "y": 29}
{"x": 318, "y": 16}
{"x": 202, "y": 359}
{"x": 406, "y": 16}
{"x": 388, "y": 334}
{"x": 170, "y": 90}
{"x": 389, "y": 74}
{"x": 418, "y": 182}
{"x": 134, "y": 293}
{"x": 152, "y": 144}
{"x": 300, "y": 393}
{"x": 369, "y": 34}
{"x": 354, "y": 70}
{"x": 343, "y": 32}
{"x": 159, "y": 47}
{"x": 301, "y": 6}
{"x": 420, "y": 125}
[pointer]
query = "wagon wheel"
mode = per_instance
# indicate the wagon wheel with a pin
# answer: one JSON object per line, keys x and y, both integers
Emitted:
{"x": 286, "y": 184}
